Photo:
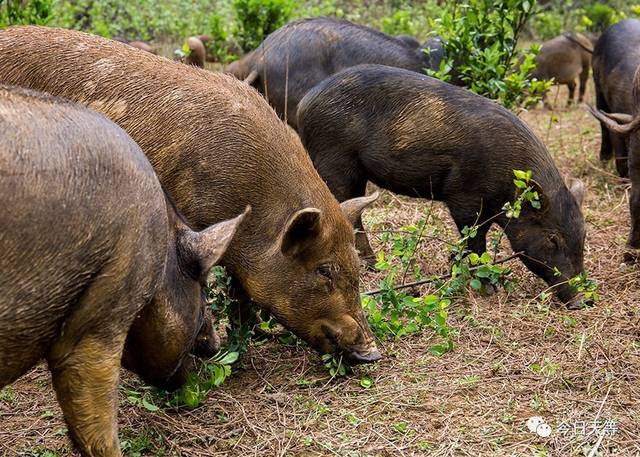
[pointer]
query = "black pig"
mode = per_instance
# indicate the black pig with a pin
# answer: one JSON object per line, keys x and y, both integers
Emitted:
{"x": 422, "y": 137}
{"x": 616, "y": 56}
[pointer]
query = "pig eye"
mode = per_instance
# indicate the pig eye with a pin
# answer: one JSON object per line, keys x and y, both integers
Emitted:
{"x": 325, "y": 271}
{"x": 554, "y": 242}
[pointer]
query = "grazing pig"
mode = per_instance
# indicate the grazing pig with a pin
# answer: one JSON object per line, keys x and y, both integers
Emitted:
{"x": 196, "y": 54}
{"x": 628, "y": 127}
{"x": 422, "y": 137}
{"x": 616, "y": 56}
{"x": 565, "y": 58}
{"x": 299, "y": 55}
{"x": 89, "y": 246}
{"x": 217, "y": 146}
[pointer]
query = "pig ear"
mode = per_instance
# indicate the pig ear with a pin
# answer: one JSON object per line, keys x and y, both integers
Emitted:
{"x": 204, "y": 249}
{"x": 302, "y": 229}
{"x": 354, "y": 207}
{"x": 576, "y": 186}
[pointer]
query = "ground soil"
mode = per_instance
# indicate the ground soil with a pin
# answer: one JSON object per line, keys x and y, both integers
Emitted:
{"x": 516, "y": 356}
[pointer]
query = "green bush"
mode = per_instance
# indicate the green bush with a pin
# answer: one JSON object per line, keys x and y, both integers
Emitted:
{"x": 599, "y": 16}
{"x": 20, "y": 12}
{"x": 400, "y": 23}
{"x": 141, "y": 20}
{"x": 547, "y": 25}
{"x": 480, "y": 40}
{"x": 255, "y": 19}
{"x": 218, "y": 47}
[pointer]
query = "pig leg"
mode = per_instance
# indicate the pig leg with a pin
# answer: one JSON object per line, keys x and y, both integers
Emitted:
{"x": 363, "y": 246}
{"x": 584, "y": 77}
{"x": 345, "y": 178}
{"x": 633, "y": 245}
{"x": 243, "y": 310}
{"x": 572, "y": 92}
{"x": 468, "y": 217}
{"x": 621, "y": 157}
{"x": 85, "y": 359}
{"x": 606, "y": 147}
{"x": 86, "y": 384}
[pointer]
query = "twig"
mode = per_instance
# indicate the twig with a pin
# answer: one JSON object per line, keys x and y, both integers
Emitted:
{"x": 438, "y": 278}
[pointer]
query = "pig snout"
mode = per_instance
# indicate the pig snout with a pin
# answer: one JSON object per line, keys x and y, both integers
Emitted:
{"x": 571, "y": 298}
{"x": 357, "y": 357}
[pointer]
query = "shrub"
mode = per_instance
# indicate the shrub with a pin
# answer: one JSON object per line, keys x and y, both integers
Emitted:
{"x": 599, "y": 16}
{"x": 255, "y": 19}
{"x": 399, "y": 23}
{"x": 547, "y": 25}
{"x": 218, "y": 47}
{"x": 144, "y": 19}
{"x": 20, "y": 12}
{"x": 480, "y": 39}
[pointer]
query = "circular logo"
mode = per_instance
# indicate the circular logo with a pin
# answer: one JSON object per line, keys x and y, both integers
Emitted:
{"x": 537, "y": 425}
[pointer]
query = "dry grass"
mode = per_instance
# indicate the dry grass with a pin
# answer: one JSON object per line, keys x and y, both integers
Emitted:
{"x": 515, "y": 357}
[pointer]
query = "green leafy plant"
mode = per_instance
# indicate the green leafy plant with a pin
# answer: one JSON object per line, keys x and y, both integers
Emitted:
{"x": 599, "y": 16}
{"x": 212, "y": 374}
{"x": 393, "y": 312}
{"x": 480, "y": 46}
{"x": 20, "y": 12}
{"x": 255, "y": 19}
{"x": 547, "y": 24}
{"x": 400, "y": 23}
{"x": 218, "y": 47}
{"x": 525, "y": 192}
{"x": 336, "y": 365}
{"x": 585, "y": 286}
{"x": 226, "y": 309}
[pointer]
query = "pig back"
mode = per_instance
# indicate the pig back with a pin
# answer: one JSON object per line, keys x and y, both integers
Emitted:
{"x": 214, "y": 142}
{"x": 616, "y": 56}
{"x": 78, "y": 196}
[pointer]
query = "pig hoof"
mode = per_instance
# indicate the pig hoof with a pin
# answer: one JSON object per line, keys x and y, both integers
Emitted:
{"x": 631, "y": 256}
{"x": 578, "y": 303}
{"x": 489, "y": 290}
{"x": 368, "y": 263}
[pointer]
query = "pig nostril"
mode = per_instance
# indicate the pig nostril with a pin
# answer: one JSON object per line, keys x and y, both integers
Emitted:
{"x": 356, "y": 357}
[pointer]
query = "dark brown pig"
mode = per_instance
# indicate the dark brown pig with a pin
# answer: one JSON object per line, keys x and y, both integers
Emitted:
{"x": 217, "y": 146}
{"x": 89, "y": 246}
{"x": 565, "y": 58}
{"x": 409, "y": 41}
{"x": 615, "y": 58}
{"x": 299, "y": 55}
{"x": 627, "y": 127}
{"x": 422, "y": 137}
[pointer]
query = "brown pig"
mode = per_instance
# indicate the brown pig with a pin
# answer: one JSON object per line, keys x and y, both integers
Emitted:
{"x": 196, "y": 54}
{"x": 565, "y": 58}
{"x": 90, "y": 245}
{"x": 217, "y": 146}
